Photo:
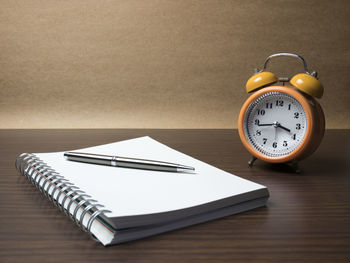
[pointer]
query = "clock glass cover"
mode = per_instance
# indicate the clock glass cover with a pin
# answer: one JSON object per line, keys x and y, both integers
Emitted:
{"x": 275, "y": 124}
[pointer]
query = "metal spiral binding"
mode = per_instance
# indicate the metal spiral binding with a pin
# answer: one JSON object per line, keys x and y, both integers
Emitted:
{"x": 47, "y": 179}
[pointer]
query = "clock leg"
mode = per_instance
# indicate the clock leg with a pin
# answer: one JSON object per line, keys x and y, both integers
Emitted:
{"x": 295, "y": 165}
{"x": 251, "y": 161}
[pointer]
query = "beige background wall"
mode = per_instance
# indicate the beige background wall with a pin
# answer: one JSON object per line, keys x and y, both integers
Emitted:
{"x": 161, "y": 64}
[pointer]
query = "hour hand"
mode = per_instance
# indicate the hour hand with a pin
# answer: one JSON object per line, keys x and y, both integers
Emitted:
{"x": 284, "y": 128}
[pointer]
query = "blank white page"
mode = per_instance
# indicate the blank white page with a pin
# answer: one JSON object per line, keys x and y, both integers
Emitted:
{"x": 128, "y": 192}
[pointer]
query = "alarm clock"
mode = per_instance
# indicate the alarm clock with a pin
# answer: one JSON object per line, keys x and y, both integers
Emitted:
{"x": 282, "y": 123}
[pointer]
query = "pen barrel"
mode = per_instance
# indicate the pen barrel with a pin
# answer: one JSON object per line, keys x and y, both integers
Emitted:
{"x": 126, "y": 162}
{"x": 89, "y": 158}
{"x": 145, "y": 164}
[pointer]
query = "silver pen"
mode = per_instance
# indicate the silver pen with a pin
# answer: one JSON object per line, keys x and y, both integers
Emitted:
{"x": 126, "y": 162}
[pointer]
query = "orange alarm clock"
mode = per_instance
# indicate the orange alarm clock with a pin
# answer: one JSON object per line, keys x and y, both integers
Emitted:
{"x": 282, "y": 123}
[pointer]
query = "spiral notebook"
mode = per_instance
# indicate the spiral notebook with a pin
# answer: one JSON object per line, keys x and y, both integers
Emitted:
{"x": 116, "y": 204}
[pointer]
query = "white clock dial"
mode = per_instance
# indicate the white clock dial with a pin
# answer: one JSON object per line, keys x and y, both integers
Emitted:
{"x": 275, "y": 124}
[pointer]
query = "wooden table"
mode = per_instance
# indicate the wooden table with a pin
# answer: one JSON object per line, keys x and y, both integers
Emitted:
{"x": 307, "y": 217}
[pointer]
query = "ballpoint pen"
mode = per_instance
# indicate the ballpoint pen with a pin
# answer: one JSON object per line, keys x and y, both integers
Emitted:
{"x": 126, "y": 162}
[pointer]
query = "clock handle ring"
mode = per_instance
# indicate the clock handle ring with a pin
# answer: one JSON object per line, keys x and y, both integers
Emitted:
{"x": 286, "y": 55}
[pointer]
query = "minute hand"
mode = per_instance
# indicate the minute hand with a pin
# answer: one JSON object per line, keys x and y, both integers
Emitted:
{"x": 266, "y": 124}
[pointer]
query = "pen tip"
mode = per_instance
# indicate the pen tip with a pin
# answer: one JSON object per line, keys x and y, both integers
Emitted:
{"x": 185, "y": 169}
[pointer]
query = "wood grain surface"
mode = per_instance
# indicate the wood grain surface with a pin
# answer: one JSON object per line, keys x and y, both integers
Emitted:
{"x": 307, "y": 218}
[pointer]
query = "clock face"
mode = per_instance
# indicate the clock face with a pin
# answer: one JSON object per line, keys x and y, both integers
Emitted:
{"x": 275, "y": 124}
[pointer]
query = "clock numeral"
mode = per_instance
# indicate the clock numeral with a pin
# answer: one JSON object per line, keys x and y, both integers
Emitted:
{"x": 289, "y": 105}
{"x": 297, "y": 126}
{"x": 294, "y": 136}
{"x": 285, "y": 143}
{"x": 256, "y": 122}
{"x": 258, "y": 132}
{"x": 261, "y": 112}
{"x": 296, "y": 115}
{"x": 268, "y": 105}
{"x": 274, "y": 145}
{"x": 264, "y": 140}
{"x": 279, "y": 103}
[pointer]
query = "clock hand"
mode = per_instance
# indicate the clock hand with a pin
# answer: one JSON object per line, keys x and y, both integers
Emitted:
{"x": 277, "y": 124}
{"x": 265, "y": 124}
{"x": 284, "y": 128}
